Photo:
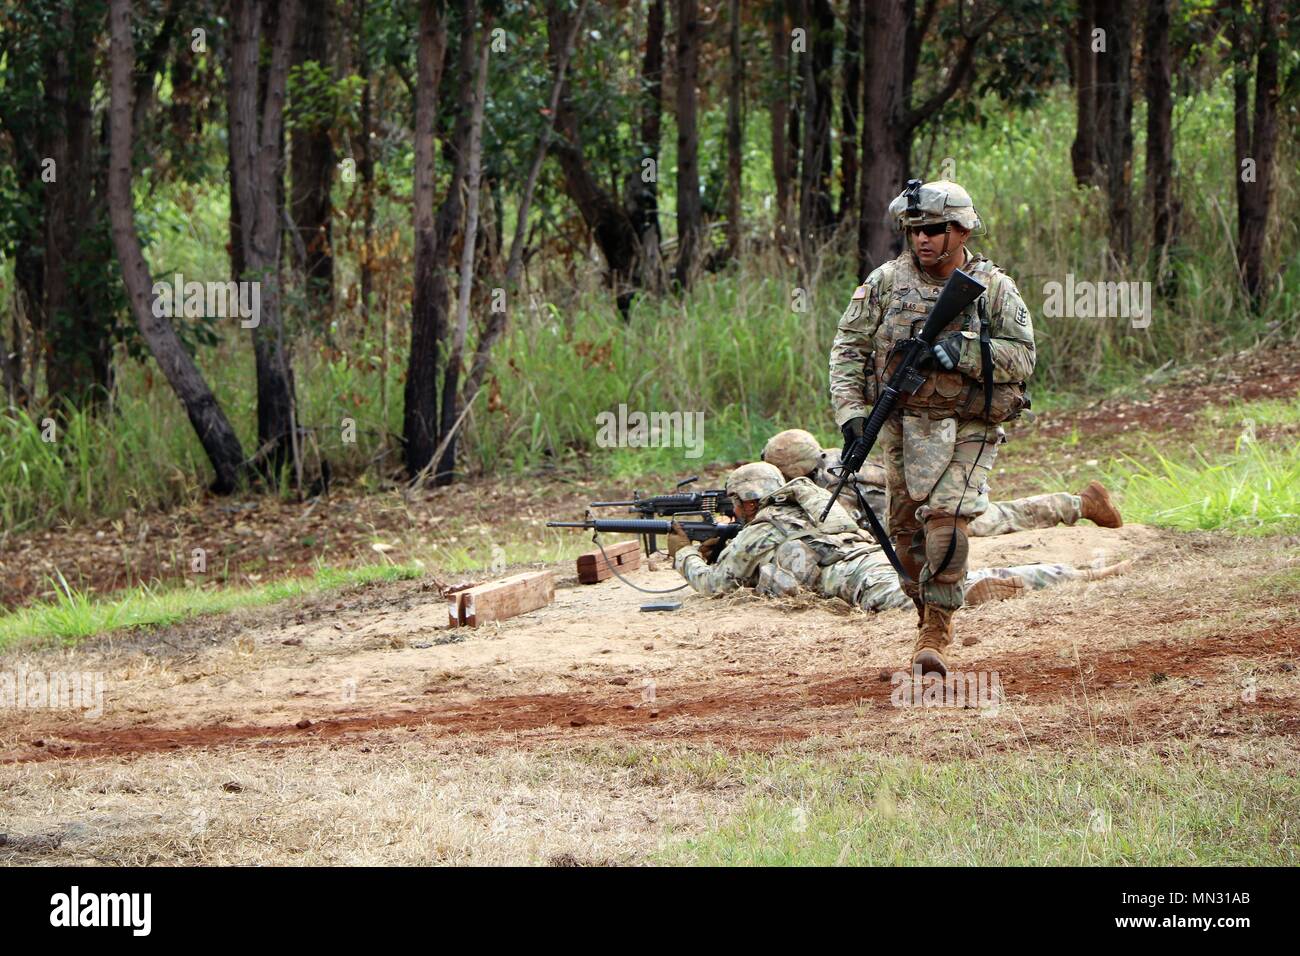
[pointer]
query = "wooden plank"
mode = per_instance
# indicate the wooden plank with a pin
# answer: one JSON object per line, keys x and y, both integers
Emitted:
{"x": 594, "y": 558}
{"x": 504, "y": 599}
{"x": 594, "y": 568}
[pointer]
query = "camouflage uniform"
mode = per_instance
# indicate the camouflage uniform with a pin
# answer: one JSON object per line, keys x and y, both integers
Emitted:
{"x": 940, "y": 445}
{"x": 786, "y": 546}
{"x": 1002, "y": 517}
{"x": 939, "y": 450}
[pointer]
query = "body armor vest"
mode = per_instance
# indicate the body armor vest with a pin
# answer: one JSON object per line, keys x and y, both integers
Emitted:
{"x": 906, "y": 301}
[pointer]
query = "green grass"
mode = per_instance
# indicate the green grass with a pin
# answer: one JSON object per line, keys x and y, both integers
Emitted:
{"x": 863, "y": 809}
{"x": 74, "y": 615}
{"x": 1254, "y": 491}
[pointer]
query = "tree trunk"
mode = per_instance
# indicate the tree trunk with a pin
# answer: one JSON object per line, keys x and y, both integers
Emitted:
{"x": 735, "y": 159}
{"x": 1083, "y": 152}
{"x": 496, "y": 324}
{"x": 451, "y": 379}
{"x": 815, "y": 209}
{"x": 209, "y": 421}
{"x": 312, "y": 174}
{"x": 643, "y": 190}
{"x": 420, "y": 418}
{"x": 257, "y": 138}
{"x": 604, "y": 214}
{"x": 779, "y": 99}
{"x": 78, "y": 325}
{"x": 796, "y": 16}
{"x": 1160, "y": 139}
{"x": 1115, "y": 121}
{"x": 886, "y": 144}
{"x": 1258, "y": 145}
{"x": 850, "y": 105}
{"x": 688, "y": 141}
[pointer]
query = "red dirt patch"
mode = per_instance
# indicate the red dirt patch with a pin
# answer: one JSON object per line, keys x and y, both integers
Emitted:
{"x": 762, "y": 712}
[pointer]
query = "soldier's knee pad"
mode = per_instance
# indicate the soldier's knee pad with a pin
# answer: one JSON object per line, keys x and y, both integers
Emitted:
{"x": 800, "y": 562}
{"x": 947, "y": 547}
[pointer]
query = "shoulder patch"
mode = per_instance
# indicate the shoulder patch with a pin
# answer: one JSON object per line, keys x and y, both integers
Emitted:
{"x": 860, "y": 292}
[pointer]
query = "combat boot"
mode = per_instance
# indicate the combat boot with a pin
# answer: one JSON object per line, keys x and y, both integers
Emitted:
{"x": 996, "y": 589}
{"x": 1096, "y": 574}
{"x": 1098, "y": 508}
{"x": 935, "y": 634}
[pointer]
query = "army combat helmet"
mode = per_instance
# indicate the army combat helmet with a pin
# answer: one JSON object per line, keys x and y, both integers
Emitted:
{"x": 794, "y": 451}
{"x": 756, "y": 480}
{"x": 921, "y": 204}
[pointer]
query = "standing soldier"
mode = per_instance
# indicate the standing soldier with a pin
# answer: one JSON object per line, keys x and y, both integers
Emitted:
{"x": 939, "y": 446}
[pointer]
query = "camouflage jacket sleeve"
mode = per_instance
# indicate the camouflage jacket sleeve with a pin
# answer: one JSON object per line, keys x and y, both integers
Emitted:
{"x": 1011, "y": 332}
{"x": 851, "y": 352}
{"x": 737, "y": 566}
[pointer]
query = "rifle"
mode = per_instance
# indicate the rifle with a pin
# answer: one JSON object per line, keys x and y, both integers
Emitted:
{"x": 705, "y": 503}
{"x": 713, "y": 501}
{"x": 650, "y": 528}
{"x": 958, "y": 292}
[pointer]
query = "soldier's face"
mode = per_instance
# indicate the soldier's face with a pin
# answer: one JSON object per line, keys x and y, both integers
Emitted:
{"x": 745, "y": 510}
{"x": 928, "y": 248}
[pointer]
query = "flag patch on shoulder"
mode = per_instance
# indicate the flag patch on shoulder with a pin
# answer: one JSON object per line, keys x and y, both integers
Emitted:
{"x": 860, "y": 292}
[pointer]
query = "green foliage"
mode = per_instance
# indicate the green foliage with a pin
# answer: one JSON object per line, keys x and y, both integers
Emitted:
{"x": 1255, "y": 491}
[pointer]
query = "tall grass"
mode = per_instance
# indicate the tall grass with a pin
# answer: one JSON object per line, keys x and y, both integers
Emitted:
{"x": 1255, "y": 491}
{"x": 734, "y": 347}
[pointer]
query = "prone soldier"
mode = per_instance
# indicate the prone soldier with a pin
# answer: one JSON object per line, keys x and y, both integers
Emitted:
{"x": 784, "y": 546}
{"x": 798, "y": 454}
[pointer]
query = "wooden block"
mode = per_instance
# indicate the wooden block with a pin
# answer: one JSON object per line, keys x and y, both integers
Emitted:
{"x": 500, "y": 600}
{"x": 594, "y": 558}
{"x": 594, "y": 567}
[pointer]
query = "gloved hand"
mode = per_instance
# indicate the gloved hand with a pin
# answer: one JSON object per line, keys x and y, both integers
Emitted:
{"x": 852, "y": 430}
{"x": 709, "y": 548}
{"x": 676, "y": 541}
{"x": 947, "y": 351}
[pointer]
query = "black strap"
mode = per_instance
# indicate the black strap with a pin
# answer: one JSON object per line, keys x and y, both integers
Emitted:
{"x": 986, "y": 356}
{"x": 879, "y": 534}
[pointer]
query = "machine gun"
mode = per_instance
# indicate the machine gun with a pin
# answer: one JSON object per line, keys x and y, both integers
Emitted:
{"x": 650, "y": 528}
{"x": 704, "y": 503}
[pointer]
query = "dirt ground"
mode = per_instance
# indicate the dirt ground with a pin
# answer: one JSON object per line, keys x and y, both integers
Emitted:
{"x": 359, "y": 729}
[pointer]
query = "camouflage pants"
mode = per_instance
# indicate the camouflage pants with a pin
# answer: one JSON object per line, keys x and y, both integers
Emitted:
{"x": 962, "y": 458}
{"x": 868, "y": 580}
{"x": 1027, "y": 514}
{"x": 1037, "y": 576}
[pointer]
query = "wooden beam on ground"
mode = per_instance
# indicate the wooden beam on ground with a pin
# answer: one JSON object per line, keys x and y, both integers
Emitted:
{"x": 594, "y": 566}
{"x": 500, "y": 600}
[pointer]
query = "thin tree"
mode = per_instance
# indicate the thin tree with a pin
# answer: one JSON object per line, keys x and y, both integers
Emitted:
{"x": 257, "y": 143}
{"x": 205, "y": 414}
{"x": 1256, "y": 143}
{"x": 688, "y": 141}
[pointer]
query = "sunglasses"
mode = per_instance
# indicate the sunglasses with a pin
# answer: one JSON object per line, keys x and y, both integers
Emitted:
{"x": 930, "y": 229}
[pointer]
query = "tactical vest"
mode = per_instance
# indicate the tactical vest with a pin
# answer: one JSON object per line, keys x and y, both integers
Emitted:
{"x": 906, "y": 297}
{"x": 795, "y": 510}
